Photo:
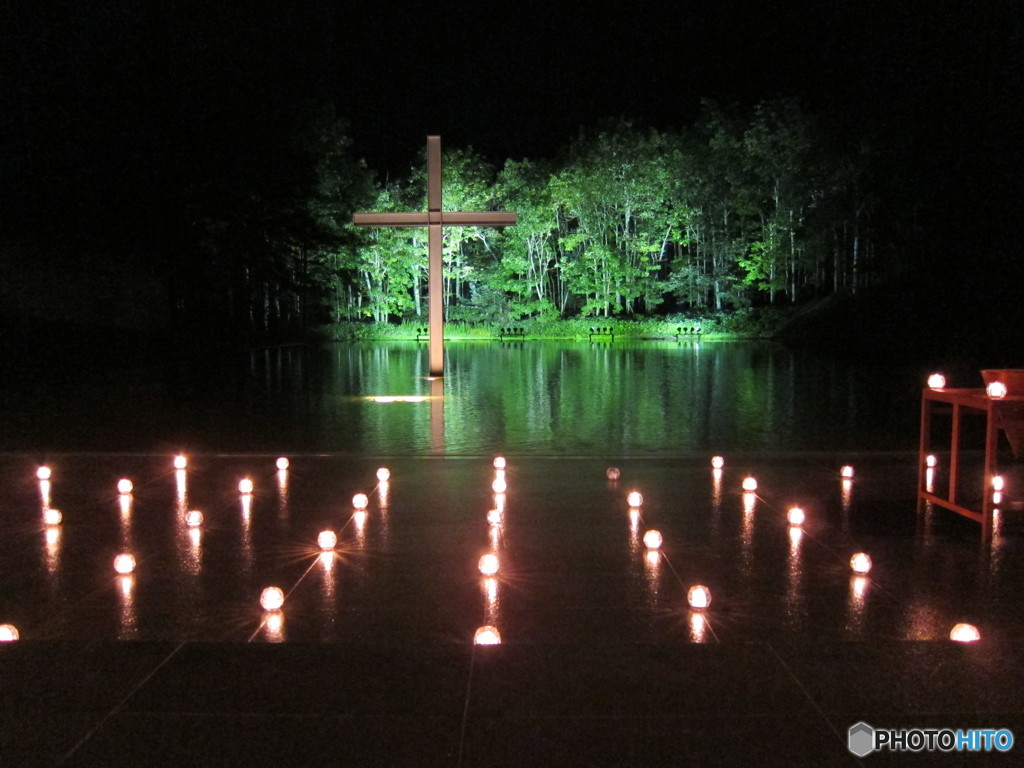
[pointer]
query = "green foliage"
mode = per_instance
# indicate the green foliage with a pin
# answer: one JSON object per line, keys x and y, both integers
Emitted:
{"x": 715, "y": 326}
{"x": 738, "y": 212}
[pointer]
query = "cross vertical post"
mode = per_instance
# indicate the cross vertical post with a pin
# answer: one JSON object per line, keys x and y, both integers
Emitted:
{"x": 435, "y": 263}
{"x": 434, "y": 219}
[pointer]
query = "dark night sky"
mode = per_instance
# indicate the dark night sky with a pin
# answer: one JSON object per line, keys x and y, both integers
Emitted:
{"x": 108, "y": 95}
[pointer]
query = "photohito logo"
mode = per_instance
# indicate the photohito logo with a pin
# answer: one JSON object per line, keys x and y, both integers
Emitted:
{"x": 862, "y": 739}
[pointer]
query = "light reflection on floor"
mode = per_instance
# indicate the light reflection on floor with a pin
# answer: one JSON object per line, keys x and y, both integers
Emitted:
{"x": 574, "y": 559}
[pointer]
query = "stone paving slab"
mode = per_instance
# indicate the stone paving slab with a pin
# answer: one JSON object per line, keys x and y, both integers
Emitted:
{"x": 515, "y": 704}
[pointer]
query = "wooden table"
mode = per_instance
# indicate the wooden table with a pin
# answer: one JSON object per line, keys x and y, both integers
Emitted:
{"x": 961, "y": 400}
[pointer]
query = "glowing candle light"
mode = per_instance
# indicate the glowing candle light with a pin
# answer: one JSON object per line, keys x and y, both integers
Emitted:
{"x": 964, "y": 633}
{"x": 699, "y": 597}
{"x": 749, "y": 503}
{"x": 180, "y": 487}
{"x": 499, "y": 485}
{"x": 180, "y": 462}
{"x": 937, "y": 381}
{"x": 43, "y": 473}
{"x": 52, "y": 516}
{"x": 996, "y": 389}
{"x": 494, "y": 516}
{"x": 487, "y": 635}
{"x": 931, "y": 460}
{"x": 360, "y": 500}
{"x": 272, "y": 598}
{"x": 124, "y": 501}
{"x": 490, "y": 585}
{"x": 796, "y": 516}
{"x": 44, "y": 492}
{"x": 327, "y": 540}
{"x": 653, "y": 539}
{"x": 845, "y": 492}
{"x": 275, "y": 626}
{"x": 245, "y": 486}
{"x": 124, "y": 563}
{"x": 499, "y": 462}
{"x": 846, "y": 472}
{"x": 717, "y": 462}
{"x": 749, "y": 484}
{"x": 488, "y": 564}
{"x": 193, "y": 518}
{"x": 383, "y": 474}
{"x": 860, "y": 563}
{"x": 859, "y": 588}
{"x": 613, "y": 473}
{"x": 698, "y": 626}
{"x": 635, "y": 499}
{"x": 8, "y": 633}
{"x": 124, "y": 486}
{"x": 998, "y": 483}
{"x": 634, "y": 519}
{"x": 282, "y": 463}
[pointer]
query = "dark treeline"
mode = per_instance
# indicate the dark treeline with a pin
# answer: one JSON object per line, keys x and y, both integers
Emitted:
{"x": 167, "y": 175}
{"x": 767, "y": 207}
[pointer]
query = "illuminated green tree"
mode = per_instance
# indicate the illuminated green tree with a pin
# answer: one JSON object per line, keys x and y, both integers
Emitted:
{"x": 741, "y": 209}
{"x": 527, "y": 270}
{"x": 787, "y": 179}
{"x": 615, "y": 194}
{"x": 716, "y": 195}
{"x": 389, "y": 266}
{"x": 469, "y": 252}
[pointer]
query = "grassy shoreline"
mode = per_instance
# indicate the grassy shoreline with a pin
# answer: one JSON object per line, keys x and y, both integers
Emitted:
{"x": 721, "y": 326}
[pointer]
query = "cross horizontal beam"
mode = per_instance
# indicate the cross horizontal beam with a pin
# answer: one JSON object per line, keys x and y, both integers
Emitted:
{"x": 425, "y": 218}
{"x": 435, "y": 219}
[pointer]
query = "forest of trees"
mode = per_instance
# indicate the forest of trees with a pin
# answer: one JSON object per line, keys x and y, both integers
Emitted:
{"x": 175, "y": 173}
{"x": 758, "y": 209}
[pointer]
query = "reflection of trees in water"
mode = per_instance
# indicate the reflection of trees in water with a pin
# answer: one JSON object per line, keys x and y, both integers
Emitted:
{"x": 538, "y": 397}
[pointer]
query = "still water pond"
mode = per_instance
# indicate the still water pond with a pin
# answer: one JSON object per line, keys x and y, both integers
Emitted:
{"x": 650, "y": 398}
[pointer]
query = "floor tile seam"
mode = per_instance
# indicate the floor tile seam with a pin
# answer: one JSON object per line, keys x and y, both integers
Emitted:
{"x": 839, "y": 712}
{"x": 702, "y": 716}
{"x": 233, "y": 714}
{"x": 804, "y": 691}
{"x": 955, "y": 715}
{"x": 146, "y": 678}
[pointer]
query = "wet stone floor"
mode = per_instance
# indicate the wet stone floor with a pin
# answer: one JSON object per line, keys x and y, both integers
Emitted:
{"x": 601, "y": 661}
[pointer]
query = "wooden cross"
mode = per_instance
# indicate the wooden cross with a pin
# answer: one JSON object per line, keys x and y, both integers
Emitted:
{"x": 433, "y": 218}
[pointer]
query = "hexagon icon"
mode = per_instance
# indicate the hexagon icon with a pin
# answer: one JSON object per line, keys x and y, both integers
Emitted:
{"x": 861, "y": 739}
